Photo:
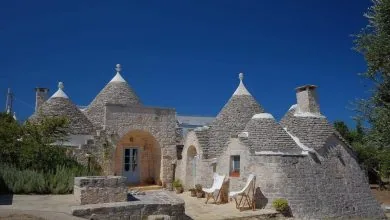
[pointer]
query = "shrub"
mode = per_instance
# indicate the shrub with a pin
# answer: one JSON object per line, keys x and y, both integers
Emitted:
{"x": 177, "y": 183}
{"x": 58, "y": 181}
{"x": 280, "y": 205}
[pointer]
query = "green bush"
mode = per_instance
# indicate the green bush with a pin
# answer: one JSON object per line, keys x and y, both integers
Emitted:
{"x": 177, "y": 183}
{"x": 280, "y": 205}
{"x": 58, "y": 181}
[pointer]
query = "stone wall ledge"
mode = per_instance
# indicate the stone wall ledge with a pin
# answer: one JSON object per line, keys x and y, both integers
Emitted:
{"x": 140, "y": 206}
{"x": 100, "y": 181}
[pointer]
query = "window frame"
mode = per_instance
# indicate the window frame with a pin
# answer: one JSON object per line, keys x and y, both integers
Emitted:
{"x": 234, "y": 171}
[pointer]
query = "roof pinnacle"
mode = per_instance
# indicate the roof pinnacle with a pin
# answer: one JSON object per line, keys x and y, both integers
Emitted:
{"x": 241, "y": 76}
{"x": 118, "y": 68}
{"x": 118, "y": 77}
{"x": 60, "y": 92}
{"x": 241, "y": 90}
{"x": 61, "y": 85}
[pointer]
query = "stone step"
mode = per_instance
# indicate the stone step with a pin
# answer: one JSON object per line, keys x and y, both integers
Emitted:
{"x": 145, "y": 188}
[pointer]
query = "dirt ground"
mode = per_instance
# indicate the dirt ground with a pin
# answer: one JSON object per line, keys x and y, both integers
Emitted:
{"x": 382, "y": 196}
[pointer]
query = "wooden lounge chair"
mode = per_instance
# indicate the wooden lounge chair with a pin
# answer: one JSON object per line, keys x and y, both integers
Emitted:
{"x": 246, "y": 194}
{"x": 215, "y": 189}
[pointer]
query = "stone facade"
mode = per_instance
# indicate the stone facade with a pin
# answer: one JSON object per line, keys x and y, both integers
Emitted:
{"x": 100, "y": 189}
{"x": 158, "y": 122}
{"x": 106, "y": 127}
{"x": 333, "y": 187}
{"x": 302, "y": 159}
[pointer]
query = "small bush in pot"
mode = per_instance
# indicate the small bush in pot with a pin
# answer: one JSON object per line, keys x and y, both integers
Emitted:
{"x": 281, "y": 205}
{"x": 199, "y": 191}
{"x": 178, "y": 186}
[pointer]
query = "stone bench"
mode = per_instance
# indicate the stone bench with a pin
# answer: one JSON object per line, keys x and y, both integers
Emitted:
{"x": 100, "y": 189}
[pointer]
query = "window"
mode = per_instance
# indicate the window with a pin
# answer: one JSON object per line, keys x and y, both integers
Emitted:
{"x": 235, "y": 166}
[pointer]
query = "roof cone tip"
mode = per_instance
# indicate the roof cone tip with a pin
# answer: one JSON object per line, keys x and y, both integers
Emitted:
{"x": 241, "y": 76}
{"x": 118, "y": 77}
{"x": 60, "y": 92}
{"x": 241, "y": 90}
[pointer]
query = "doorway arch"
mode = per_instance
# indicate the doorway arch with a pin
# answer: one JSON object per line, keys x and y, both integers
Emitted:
{"x": 191, "y": 166}
{"x": 138, "y": 157}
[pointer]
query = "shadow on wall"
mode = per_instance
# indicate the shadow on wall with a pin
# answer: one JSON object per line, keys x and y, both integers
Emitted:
{"x": 260, "y": 200}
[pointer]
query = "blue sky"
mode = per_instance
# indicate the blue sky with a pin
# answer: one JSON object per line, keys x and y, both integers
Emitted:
{"x": 185, "y": 54}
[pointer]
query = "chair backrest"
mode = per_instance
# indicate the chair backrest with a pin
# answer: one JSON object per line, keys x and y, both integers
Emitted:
{"x": 215, "y": 177}
{"x": 250, "y": 179}
{"x": 219, "y": 181}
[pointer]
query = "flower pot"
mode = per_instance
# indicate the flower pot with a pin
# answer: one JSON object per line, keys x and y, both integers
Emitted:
{"x": 193, "y": 193}
{"x": 199, "y": 194}
{"x": 179, "y": 190}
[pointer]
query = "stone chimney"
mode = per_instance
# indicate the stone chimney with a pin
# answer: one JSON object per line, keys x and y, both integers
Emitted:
{"x": 307, "y": 99}
{"x": 40, "y": 97}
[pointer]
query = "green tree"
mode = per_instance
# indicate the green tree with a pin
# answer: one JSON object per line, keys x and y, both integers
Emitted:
{"x": 374, "y": 43}
{"x": 10, "y": 134}
{"x": 343, "y": 129}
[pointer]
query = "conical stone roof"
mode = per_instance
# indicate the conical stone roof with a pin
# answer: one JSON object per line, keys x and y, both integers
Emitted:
{"x": 312, "y": 130}
{"x": 264, "y": 135}
{"x": 233, "y": 118}
{"x": 60, "y": 105}
{"x": 117, "y": 91}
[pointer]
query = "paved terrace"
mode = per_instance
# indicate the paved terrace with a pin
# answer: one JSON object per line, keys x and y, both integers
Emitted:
{"x": 197, "y": 209}
{"x": 58, "y": 207}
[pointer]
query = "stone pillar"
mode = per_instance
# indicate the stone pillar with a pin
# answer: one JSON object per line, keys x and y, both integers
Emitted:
{"x": 307, "y": 99}
{"x": 167, "y": 162}
{"x": 40, "y": 97}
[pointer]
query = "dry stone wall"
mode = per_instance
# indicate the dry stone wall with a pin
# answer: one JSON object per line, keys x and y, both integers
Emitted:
{"x": 100, "y": 189}
{"x": 332, "y": 186}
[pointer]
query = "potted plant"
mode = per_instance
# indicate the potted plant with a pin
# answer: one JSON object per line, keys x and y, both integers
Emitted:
{"x": 178, "y": 186}
{"x": 193, "y": 192}
{"x": 281, "y": 205}
{"x": 199, "y": 191}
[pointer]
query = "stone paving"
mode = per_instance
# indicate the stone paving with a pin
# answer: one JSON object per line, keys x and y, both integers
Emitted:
{"x": 45, "y": 206}
{"x": 197, "y": 209}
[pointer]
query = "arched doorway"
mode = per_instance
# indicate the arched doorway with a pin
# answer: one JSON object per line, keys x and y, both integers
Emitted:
{"x": 138, "y": 157}
{"x": 191, "y": 164}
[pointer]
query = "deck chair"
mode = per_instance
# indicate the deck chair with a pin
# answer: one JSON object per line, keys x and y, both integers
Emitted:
{"x": 246, "y": 194}
{"x": 215, "y": 189}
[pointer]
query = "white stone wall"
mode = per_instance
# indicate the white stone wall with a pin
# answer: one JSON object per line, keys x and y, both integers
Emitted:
{"x": 204, "y": 167}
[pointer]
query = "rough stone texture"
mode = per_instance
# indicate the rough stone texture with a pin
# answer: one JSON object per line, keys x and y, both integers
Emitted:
{"x": 100, "y": 189}
{"x": 58, "y": 106}
{"x": 307, "y": 99}
{"x": 113, "y": 93}
{"x": 311, "y": 131}
{"x": 40, "y": 97}
{"x": 333, "y": 186}
{"x": 159, "y": 122}
{"x": 231, "y": 120}
{"x": 265, "y": 134}
{"x": 139, "y": 207}
{"x": 204, "y": 167}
